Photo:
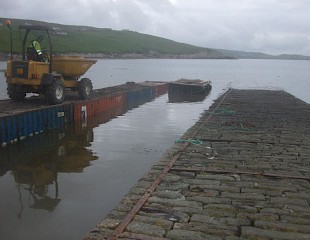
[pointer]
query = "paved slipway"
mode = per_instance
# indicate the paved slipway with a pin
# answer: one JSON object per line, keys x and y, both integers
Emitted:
{"x": 241, "y": 172}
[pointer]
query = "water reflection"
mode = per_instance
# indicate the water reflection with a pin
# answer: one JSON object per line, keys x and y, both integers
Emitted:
{"x": 187, "y": 97}
{"x": 36, "y": 163}
{"x": 38, "y": 192}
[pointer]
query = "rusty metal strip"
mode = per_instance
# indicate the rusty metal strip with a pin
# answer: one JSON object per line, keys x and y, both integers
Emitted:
{"x": 231, "y": 171}
{"x": 136, "y": 208}
{"x": 252, "y": 142}
{"x": 138, "y": 236}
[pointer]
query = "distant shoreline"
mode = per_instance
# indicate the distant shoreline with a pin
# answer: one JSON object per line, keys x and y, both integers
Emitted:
{"x": 130, "y": 56}
{"x": 160, "y": 56}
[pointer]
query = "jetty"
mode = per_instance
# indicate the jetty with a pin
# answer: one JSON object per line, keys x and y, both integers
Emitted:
{"x": 241, "y": 172}
{"x": 34, "y": 115}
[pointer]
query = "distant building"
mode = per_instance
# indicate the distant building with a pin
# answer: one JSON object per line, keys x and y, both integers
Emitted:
{"x": 60, "y": 33}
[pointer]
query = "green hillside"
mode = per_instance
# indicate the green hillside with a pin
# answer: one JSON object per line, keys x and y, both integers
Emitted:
{"x": 107, "y": 42}
{"x": 259, "y": 55}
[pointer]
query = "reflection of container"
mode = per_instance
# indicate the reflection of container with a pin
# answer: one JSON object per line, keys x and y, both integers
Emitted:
{"x": 185, "y": 90}
{"x": 176, "y": 98}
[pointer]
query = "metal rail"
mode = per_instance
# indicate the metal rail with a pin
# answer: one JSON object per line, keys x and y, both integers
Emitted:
{"x": 136, "y": 208}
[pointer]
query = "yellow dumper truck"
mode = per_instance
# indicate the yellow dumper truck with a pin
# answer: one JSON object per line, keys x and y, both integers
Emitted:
{"x": 45, "y": 73}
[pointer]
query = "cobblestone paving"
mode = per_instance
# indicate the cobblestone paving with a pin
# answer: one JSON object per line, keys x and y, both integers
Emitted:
{"x": 248, "y": 178}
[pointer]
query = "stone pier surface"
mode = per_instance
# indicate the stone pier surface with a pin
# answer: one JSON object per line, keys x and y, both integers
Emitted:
{"x": 241, "y": 172}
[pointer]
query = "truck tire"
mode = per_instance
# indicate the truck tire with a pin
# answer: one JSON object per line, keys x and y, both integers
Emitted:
{"x": 56, "y": 92}
{"x": 85, "y": 88}
{"x": 16, "y": 93}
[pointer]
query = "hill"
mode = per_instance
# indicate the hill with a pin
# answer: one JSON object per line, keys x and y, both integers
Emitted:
{"x": 104, "y": 42}
{"x": 258, "y": 55}
{"x": 108, "y": 43}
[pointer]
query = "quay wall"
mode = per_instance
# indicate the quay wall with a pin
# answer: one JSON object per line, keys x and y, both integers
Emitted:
{"x": 19, "y": 121}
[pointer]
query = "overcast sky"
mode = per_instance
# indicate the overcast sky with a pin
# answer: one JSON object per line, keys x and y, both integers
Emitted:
{"x": 270, "y": 26}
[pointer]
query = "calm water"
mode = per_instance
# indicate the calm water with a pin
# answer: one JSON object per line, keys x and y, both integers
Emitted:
{"x": 289, "y": 75}
{"x": 59, "y": 185}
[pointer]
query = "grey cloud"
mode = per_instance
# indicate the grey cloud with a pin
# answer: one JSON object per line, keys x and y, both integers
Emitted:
{"x": 271, "y": 26}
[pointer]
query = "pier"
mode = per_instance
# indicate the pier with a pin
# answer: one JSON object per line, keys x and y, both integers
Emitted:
{"x": 241, "y": 172}
{"x": 21, "y": 120}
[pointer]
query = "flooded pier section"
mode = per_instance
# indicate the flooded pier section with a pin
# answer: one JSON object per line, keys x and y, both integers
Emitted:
{"x": 241, "y": 172}
{"x": 50, "y": 176}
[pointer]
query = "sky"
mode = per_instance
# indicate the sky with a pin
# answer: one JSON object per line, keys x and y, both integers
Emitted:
{"x": 269, "y": 26}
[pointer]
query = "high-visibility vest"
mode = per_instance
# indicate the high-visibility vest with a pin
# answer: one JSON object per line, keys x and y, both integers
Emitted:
{"x": 37, "y": 46}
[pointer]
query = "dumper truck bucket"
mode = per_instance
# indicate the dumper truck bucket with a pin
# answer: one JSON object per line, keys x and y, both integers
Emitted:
{"x": 72, "y": 66}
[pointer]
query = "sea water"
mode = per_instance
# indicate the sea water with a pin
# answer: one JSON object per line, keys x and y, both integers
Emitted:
{"x": 59, "y": 185}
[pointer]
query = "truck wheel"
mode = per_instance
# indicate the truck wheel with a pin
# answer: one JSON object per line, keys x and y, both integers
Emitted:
{"x": 16, "y": 93}
{"x": 85, "y": 88}
{"x": 56, "y": 92}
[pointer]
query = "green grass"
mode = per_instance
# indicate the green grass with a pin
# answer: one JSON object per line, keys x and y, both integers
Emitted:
{"x": 85, "y": 40}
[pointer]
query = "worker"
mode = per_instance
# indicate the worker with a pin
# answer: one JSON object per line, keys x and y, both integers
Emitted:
{"x": 36, "y": 46}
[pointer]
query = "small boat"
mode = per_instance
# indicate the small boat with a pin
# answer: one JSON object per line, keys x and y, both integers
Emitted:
{"x": 186, "y": 90}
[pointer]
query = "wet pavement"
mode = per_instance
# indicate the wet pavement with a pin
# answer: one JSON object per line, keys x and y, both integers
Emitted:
{"x": 241, "y": 172}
